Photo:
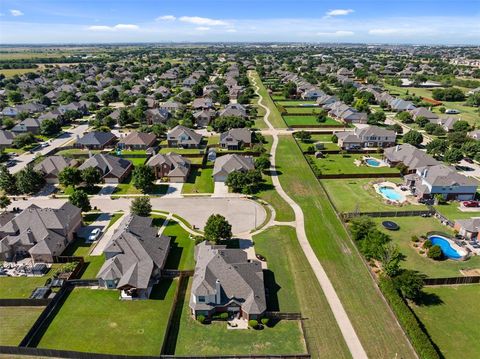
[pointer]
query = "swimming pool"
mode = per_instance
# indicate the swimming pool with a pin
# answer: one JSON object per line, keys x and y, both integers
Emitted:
{"x": 390, "y": 193}
{"x": 447, "y": 249}
{"x": 372, "y": 162}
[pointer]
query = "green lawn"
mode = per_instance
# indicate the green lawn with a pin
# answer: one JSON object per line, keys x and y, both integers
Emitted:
{"x": 275, "y": 117}
{"x": 215, "y": 339}
{"x": 452, "y": 211}
{"x": 13, "y": 72}
{"x": 344, "y": 164}
{"x": 309, "y": 121}
{"x": 353, "y": 194}
{"x": 308, "y": 110}
{"x": 115, "y": 217}
{"x": 199, "y": 180}
{"x": 372, "y": 319}
{"x": 325, "y": 139}
{"x": 93, "y": 320}
{"x": 16, "y": 322}
{"x": 181, "y": 151}
{"x": 127, "y": 187}
{"x": 283, "y": 211}
{"x": 22, "y": 287}
{"x": 453, "y": 324}
{"x": 417, "y": 226}
{"x": 293, "y": 103}
{"x": 182, "y": 247}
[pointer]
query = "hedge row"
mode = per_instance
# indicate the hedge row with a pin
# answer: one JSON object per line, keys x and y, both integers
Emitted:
{"x": 419, "y": 339}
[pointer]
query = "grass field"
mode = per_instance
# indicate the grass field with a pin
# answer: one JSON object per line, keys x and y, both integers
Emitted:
{"x": 275, "y": 117}
{"x": 199, "y": 180}
{"x": 452, "y": 211}
{"x": 303, "y": 110}
{"x": 97, "y": 321}
{"x": 454, "y": 322}
{"x": 308, "y": 121}
{"x": 182, "y": 247}
{"x": 325, "y": 139}
{"x": 22, "y": 287}
{"x": 294, "y": 103}
{"x": 127, "y": 187}
{"x": 215, "y": 339}
{"x": 344, "y": 164}
{"x": 417, "y": 226}
{"x": 13, "y": 72}
{"x": 16, "y": 322}
{"x": 373, "y": 321}
{"x": 353, "y": 194}
{"x": 283, "y": 211}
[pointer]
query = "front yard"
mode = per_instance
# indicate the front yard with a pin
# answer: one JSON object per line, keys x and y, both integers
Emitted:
{"x": 215, "y": 339}
{"x": 452, "y": 320}
{"x": 16, "y": 322}
{"x": 95, "y": 320}
{"x": 200, "y": 180}
{"x": 127, "y": 187}
{"x": 344, "y": 164}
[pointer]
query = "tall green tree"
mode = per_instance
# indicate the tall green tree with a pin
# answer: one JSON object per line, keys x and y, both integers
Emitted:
{"x": 80, "y": 199}
{"x": 141, "y": 206}
{"x": 7, "y": 181}
{"x": 143, "y": 178}
{"x": 217, "y": 229}
{"x": 28, "y": 180}
{"x": 91, "y": 176}
{"x": 70, "y": 176}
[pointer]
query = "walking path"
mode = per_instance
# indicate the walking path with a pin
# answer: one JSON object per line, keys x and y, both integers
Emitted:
{"x": 346, "y": 327}
{"x": 165, "y": 224}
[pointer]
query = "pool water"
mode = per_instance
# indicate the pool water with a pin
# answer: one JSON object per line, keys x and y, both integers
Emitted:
{"x": 447, "y": 249}
{"x": 372, "y": 162}
{"x": 390, "y": 193}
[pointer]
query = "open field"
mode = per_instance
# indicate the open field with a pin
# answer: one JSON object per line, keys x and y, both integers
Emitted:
{"x": 275, "y": 117}
{"x": 309, "y": 120}
{"x": 13, "y": 72}
{"x": 283, "y": 212}
{"x": 16, "y": 322}
{"x": 344, "y": 164}
{"x": 307, "y": 110}
{"x": 294, "y": 103}
{"x": 418, "y": 226}
{"x": 214, "y": 339}
{"x": 182, "y": 247}
{"x": 353, "y": 194}
{"x": 199, "y": 180}
{"x": 375, "y": 326}
{"x": 97, "y": 321}
{"x": 452, "y": 319}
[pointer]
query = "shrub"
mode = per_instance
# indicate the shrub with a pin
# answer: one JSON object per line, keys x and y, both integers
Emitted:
{"x": 422, "y": 251}
{"x": 427, "y": 244}
{"x": 201, "y": 318}
{"x": 224, "y": 316}
{"x": 419, "y": 339}
{"x": 415, "y": 239}
{"x": 435, "y": 252}
{"x": 265, "y": 321}
{"x": 252, "y": 323}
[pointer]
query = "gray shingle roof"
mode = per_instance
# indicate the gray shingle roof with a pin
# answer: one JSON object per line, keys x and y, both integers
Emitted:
{"x": 96, "y": 138}
{"x": 232, "y": 162}
{"x": 108, "y": 165}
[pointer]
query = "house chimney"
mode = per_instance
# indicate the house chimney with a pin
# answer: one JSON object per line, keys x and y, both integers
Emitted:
{"x": 218, "y": 292}
{"x": 425, "y": 171}
{"x": 397, "y": 148}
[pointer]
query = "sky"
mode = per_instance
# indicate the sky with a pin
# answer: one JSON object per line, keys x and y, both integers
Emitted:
{"x": 357, "y": 21}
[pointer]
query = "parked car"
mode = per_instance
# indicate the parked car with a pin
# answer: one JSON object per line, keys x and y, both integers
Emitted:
{"x": 94, "y": 235}
{"x": 471, "y": 204}
{"x": 468, "y": 160}
{"x": 44, "y": 144}
{"x": 11, "y": 163}
{"x": 452, "y": 111}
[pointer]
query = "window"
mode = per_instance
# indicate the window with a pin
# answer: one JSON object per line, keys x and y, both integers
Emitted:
{"x": 201, "y": 299}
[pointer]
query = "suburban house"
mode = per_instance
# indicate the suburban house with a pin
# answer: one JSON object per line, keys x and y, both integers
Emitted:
{"x": 181, "y": 136}
{"x": 346, "y": 113}
{"x": 409, "y": 155}
{"x": 398, "y": 105}
{"x": 171, "y": 166}
{"x": 113, "y": 169}
{"x": 204, "y": 117}
{"x": 423, "y": 112}
{"x": 312, "y": 94}
{"x": 234, "y": 109}
{"x": 446, "y": 122}
{"x": 53, "y": 165}
{"x": 225, "y": 280}
{"x": 134, "y": 258}
{"x": 6, "y": 139}
{"x": 96, "y": 140}
{"x": 475, "y": 134}
{"x": 137, "y": 141}
{"x": 202, "y": 103}
{"x": 369, "y": 136}
{"x": 157, "y": 115}
{"x": 31, "y": 125}
{"x": 236, "y": 139}
{"x": 441, "y": 180}
{"x": 41, "y": 233}
{"x": 468, "y": 228}
{"x": 227, "y": 164}
{"x": 326, "y": 100}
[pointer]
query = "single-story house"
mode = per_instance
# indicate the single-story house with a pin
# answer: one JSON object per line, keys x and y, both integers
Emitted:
{"x": 225, "y": 280}
{"x": 157, "y": 115}
{"x": 234, "y": 109}
{"x": 6, "y": 139}
{"x": 113, "y": 169}
{"x": 204, "y": 117}
{"x": 137, "y": 141}
{"x": 224, "y": 165}
{"x": 410, "y": 156}
{"x": 468, "y": 228}
{"x": 134, "y": 258}
{"x": 53, "y": 165}
{"x": 31, "y": 125}
{"x": 236, "y": 139}
{"x": 96, "y": 140}
{"x": 171, "y": 166}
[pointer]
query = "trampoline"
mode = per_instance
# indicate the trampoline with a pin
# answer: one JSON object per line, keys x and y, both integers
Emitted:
{"x": 391, "y": 226}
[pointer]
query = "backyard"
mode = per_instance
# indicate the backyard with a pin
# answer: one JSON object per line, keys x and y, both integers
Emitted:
{"x": 16, "y": 322}
{"x": 199, "y": 180}
{"x": 93, "y": 320}
{"x": 309, "y": 120}
{"x": 452, "y": 318}
{"x": 333, "y": 164}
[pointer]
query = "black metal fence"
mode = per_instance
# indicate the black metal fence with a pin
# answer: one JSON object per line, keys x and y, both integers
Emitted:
{"x": 284, "y": 316}
{"x": 349, "y": 215}
{"x": 452, "y": 280}
{"x": 24, "y": 302}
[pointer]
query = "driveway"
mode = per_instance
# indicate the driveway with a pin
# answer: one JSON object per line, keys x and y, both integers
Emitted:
{"x": 242, "y": 213}
{"x": 220, "y": 190}
{"x": 174, "y": 190}
{"x": 469, "y": 169}
{"x": 107, "y": 189}
{"x": 101, "y": 222}
{"x": 102, "y": 243}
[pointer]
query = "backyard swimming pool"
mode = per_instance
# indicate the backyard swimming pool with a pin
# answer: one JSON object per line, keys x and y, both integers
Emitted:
{"x": 390, "y": 193}
{"x": 447, "y": 249}
{"x": 372, "y": 162}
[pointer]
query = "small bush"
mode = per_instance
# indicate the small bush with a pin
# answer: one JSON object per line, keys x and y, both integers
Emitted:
{"x": 435, "y": 252}
{"x": 427, "y": 244}
{"x": 201, "y": 318}
{"x": 414, "y": 239}
{"x": 265, "y": 321}
{"x": 252, "y": 323}
{"x": 224, "y": 316}
{"x": 422, "y": 251}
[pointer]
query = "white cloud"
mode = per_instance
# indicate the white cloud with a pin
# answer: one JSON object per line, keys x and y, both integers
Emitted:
{"x": 231, "y": 30}
{"x": 202, "y": 28}
{"x": 113, "y": 28}
{"x": 339, "y": 12}
{"x": 203, "y": 21}
{"x": 338, "y": 33}
{"x": 166, "y": 18}
{"x": 14, "y": 12}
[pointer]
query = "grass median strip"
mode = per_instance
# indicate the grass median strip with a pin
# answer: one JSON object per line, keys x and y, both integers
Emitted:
{"x": 275, "y": 117}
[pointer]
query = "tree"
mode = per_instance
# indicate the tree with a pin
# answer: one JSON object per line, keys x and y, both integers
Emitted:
{"x": 413, "y": 137}
{"x": 14, "y": 97}
{"x": 404, "y": 117}
{"x": 409, "y": 283}
{"x": 80, "y": 199}
{"x": 453, "y": 155}
{"x": 396, "y": 127}
{"x": 4, "y": 202}
{"x": 217, "y": 229}
{"x": 141, "y": 206}
{"x": 422, "y": 121}
{"x": 143, "y": 178}
{"x": 70, "y": 176}
{"x": 376, "y": 118}
{"x": 91, "y": 176}
{"x": 435, "y": 252}
{"x": 28, "y": 180}
{"x": 303, "y": 136}
{"x": 253, "y": 323}
{"x": 390, "y": 259}
{"x": 49, "y": 127}
{"x": 225, "y": 123}
{"x": 437, "y": 147}
{"x": 7, "y": 181}
{"x": 290, "y": 90}
{"x": 262, "y": 163}
{"x": 461, "y": 126}
{"x": 244, "y": 182}
{"x": 23, "y": 140}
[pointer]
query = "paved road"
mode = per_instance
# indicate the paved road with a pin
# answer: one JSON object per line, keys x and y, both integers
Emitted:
{"x": 60, "y": 141}
{"x": 346, "y": 327}
{"x": 243, "y": 214}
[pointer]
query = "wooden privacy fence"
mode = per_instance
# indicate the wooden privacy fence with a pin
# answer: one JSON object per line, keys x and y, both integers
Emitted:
{"x": 358, "y": 175}
{"x": 284, "y": 316}
{"x": 452, "y": 280}
{"x": 172, "y": 273}
{"x": 349, "y": 215}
